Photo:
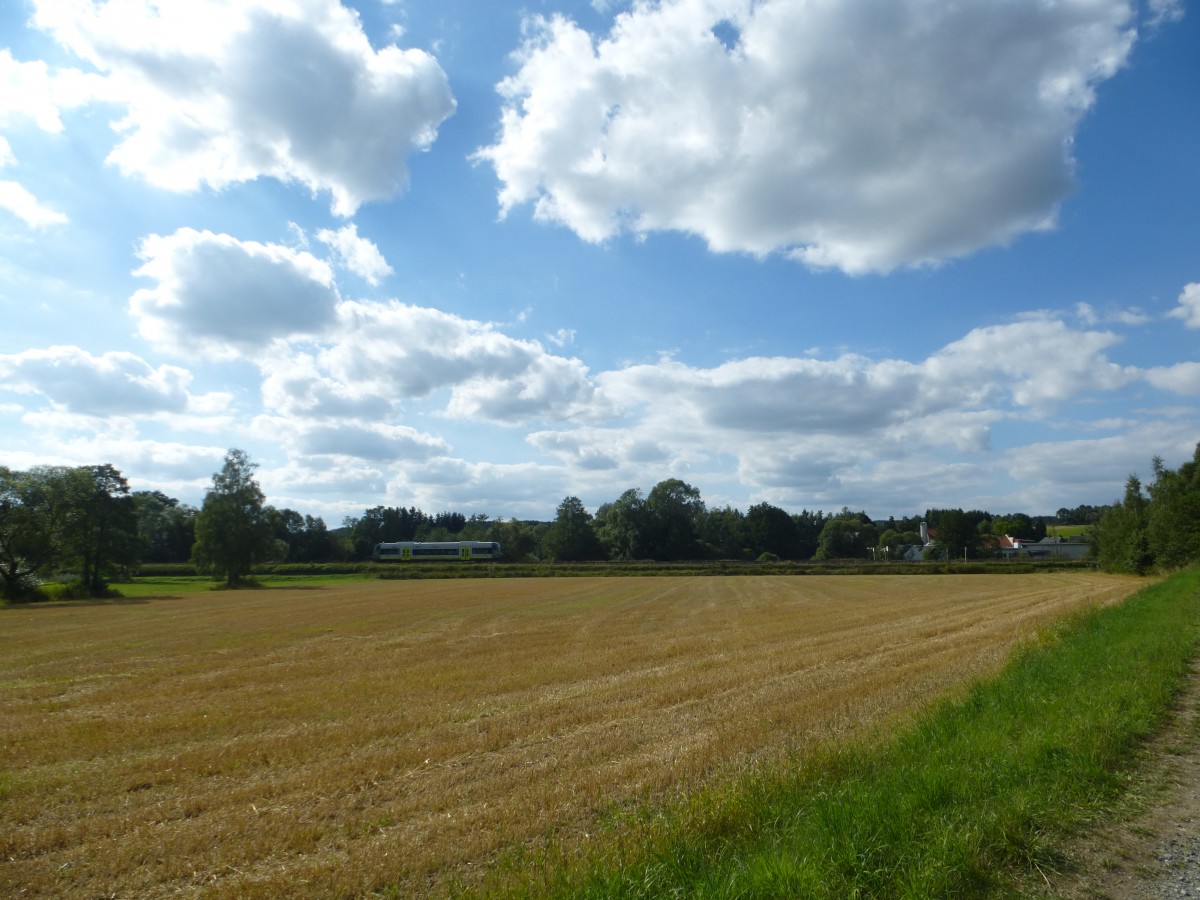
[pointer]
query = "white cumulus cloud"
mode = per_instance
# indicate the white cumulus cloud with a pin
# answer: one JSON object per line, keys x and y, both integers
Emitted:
{"x": 1181, "y": 378}
{"x": 114, "y": 383}
{"x": 1012, "y": 360}
{"x": 26, "y": 207}
{"x": 221, "y": 296}
{"x": 357, "y": 254}
{"x": 859, "y": 135}
{"x": 397, "y": 351}
{"x": 218, "y": 92}
{"x": 21, "y": 202}
{"x": 827, "y": 430}
{"x": 372, "y": 442}
{"x": 1189, "y": 306}
{"x": 33, "y": 92}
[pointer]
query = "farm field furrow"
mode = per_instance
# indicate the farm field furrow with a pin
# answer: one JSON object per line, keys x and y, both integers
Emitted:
{"x": 402, "y": 735}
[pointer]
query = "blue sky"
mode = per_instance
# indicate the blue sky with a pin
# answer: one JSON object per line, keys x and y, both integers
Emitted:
{"x": 480, "y": 256}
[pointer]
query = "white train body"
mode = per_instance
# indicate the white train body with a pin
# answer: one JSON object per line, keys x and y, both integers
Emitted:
{"x": 435, "y": 551}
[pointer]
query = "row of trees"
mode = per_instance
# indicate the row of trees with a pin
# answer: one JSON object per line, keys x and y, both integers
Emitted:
{"x": 672, "y": 522}
{"x": 85, "y": 521}
{"x": 1156, "y": 527}
{"x": 55, "y": 518}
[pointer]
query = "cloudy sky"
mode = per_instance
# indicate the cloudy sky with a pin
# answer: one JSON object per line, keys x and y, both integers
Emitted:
{"x": 888, "y": 254}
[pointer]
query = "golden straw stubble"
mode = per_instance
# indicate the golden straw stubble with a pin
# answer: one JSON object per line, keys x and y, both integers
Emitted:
{"x": 339, "y": 740}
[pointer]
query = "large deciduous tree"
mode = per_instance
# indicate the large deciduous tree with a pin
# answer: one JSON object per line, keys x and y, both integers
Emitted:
{"x": 166, "y": 528}
{"x": 384, "y": 524}
{"x": 301, "y": 539}
{"x": 1120, "y": 538}
{"x": 1173, "y": 521}
{"x": 675, "y": 513}
{"x": 28, "y": 530}
{"x": 1018, "y": 525}
{"x": 809, "y": 526}
{"x": 233, "y": 531}
{"x": 770, "y": 529}
{"x": 623, "y": 526}
{"x": 99, "y": 529}
{"x": 58, "y": 519}
{"x": 958, "y": 533}
{"x": 723, "y": 533}
{"x": 847, "y": 536}
{"x": 571, "y": 536}
{"x": 518, "y": 540}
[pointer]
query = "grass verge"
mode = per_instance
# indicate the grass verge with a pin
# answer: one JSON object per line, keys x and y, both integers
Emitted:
{"x": 978, "y": 789}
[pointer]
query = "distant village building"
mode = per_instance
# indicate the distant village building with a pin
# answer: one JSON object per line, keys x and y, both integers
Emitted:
{"x": 1049, "y": 547}
{"x": 916, "y": 553}
{"x": 1009, "y": 547}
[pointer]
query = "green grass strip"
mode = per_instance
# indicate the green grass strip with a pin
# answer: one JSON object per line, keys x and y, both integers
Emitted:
{"x": 977, "y": 790}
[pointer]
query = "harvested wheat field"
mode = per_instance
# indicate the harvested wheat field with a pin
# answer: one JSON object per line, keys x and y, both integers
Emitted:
{"x": 402, "y": 736}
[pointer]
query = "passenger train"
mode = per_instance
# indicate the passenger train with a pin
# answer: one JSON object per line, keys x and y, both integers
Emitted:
{"x": 433, "y": 551}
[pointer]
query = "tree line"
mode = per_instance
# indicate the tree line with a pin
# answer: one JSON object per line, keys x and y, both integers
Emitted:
{"x": 672, "y": 522}
{"x": 83, "y": 524}
{"x": 55, "y": 518}
{"x": 1156, "y": 526}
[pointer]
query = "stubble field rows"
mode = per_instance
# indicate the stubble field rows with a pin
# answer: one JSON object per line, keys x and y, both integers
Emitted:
{"x": 402, "y": 736}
